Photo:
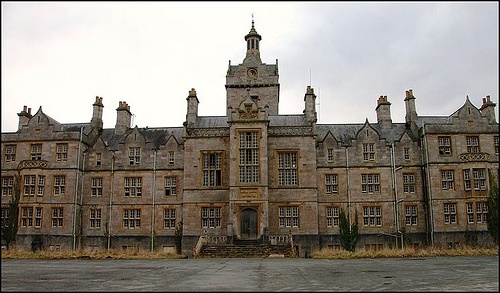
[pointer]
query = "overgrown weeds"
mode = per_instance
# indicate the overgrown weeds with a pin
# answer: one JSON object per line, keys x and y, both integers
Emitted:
{"x": 86, "y": 254}
{"x": 329, "y": 253}
{"x": 325, "y": 253}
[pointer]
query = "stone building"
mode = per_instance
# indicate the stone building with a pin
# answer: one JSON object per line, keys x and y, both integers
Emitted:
{"x": 252, "y": 174}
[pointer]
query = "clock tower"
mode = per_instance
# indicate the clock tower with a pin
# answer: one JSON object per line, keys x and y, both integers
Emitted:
{"x": 252, "y": 79}
{"x": 252, "y": 98}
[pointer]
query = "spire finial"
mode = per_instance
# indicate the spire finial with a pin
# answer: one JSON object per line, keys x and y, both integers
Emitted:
{"x": 252, "y": 19}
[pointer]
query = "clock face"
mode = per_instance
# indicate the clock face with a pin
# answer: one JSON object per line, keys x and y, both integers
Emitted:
{"x": 252, "y": 73}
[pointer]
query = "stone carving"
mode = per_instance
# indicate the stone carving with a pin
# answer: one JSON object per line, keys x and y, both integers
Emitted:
{"x": 475, "y": 157}
{"x": 28, "y": 164}
{"x": 209, "y": 132}
{"x": 278, "y": 131}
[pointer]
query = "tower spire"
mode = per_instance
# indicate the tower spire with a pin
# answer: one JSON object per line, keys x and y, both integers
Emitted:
{"x": 253, "y": 39}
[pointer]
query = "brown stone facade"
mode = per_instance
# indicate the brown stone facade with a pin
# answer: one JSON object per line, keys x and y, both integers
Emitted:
{"x": 252, "y": 174}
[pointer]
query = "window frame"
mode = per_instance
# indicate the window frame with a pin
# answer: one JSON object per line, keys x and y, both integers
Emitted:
{"x": 248, "y": 156}
{"x": 10, "y": 152}
{"x": 36, "y": 151}
{"x": 62, "y": 152}
{"x": 450, "y": 213}
{"x": 131, "y": 219}
{"x": 288, "y": 168}
{"x": 57, "y": 217}
{"x": 95, "y": 218}
{"x": 372, "y": 216}
{"x": 369, "y": 153}
{"x": 444, "y": 146}
{"x": 332, "y": 215}
{"x": 411, "y": 215}
{"x": 170, "y": 186}
{"x": 169, "y": 218}
{"x": 59, "y": 188}
{"x": 331, "y": 184}
{"x": 473, "y": 144}
{"x": 211, "y": 162}
{"x": 447, "y": 180}
{"x": 134, "y": 155}
{"x": 132, "y": 186}
{"x": 211, "y": 217}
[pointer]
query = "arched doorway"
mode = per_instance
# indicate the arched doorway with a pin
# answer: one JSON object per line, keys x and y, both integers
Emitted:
{"x": 248, "y": 223}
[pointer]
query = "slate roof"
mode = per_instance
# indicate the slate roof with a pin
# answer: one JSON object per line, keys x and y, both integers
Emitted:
{"x": 344, "y": 133}
{"x": 287, "y": 120}
{"x": 421, "y": 120}
{"x": 157, "y": 136}
{"x": 211, "y": 122}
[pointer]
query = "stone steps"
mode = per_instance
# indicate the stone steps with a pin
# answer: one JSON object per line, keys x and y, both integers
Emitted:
{"x": 245, "y": 250}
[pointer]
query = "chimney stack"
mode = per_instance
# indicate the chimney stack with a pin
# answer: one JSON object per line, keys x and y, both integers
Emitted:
{"x": 310, "y": 110}
{"x": 488, "y": 109}
{"x": 123, "y": 118}
{"x": 24, "y": 117}
{"x": 192, "y": 108}
{"x": 384, "y": 112}
{"x": 411, "y": 112}
{"x": 97, "y": 113}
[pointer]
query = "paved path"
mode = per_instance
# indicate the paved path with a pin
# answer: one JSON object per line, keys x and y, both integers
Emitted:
{"x": 394, "y": 274}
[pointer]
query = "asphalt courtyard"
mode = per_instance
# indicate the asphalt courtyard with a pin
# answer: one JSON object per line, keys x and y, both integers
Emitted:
{"x": 254, "y": 274}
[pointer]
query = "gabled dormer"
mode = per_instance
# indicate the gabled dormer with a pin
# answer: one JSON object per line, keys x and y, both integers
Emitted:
{"x": 367, "y": 133}
{"x": 367, "y": 140}
{"x": 467, "y": 115}
{"x": 328, "y": 149}
{"x": 42, "y": 122}
{"x": 174, "y": 151}
{"x": 136, "y": 147}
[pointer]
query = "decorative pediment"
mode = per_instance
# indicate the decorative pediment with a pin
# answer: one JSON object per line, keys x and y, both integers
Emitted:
{"x": 248, "y": 109}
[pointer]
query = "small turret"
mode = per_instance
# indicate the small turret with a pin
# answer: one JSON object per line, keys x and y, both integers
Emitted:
{"x": 253, "y": 39}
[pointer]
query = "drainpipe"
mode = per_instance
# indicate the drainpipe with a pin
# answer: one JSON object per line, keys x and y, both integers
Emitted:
{"x": 153, "y": 213}
{"x": 110, "y": 212}
{"x": 76, "y": 188}
{"x": 348, "y": 187}
{"x": 81, "y": 193}
{"x": 395, "y": 191}
{"x": 429, "y": 190}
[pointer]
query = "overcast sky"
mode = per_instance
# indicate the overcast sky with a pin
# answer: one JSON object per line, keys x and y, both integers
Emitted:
{"x": 61, "y": 55}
